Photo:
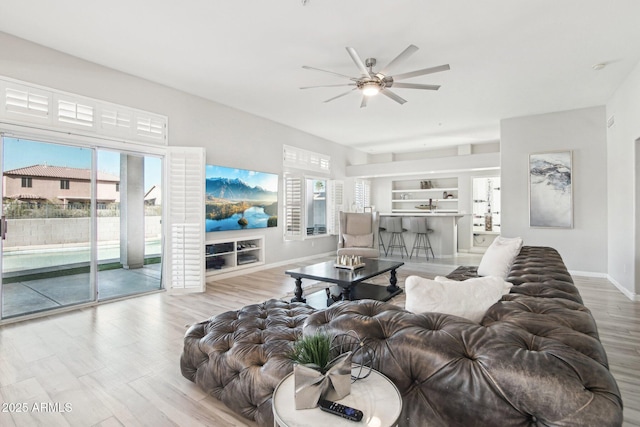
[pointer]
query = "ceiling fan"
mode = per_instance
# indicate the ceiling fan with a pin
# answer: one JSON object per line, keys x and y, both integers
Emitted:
{"x": 371, "y": 82}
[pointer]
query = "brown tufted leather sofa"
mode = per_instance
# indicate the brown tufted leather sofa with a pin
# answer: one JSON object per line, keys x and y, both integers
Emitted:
{"x": 535, "y": 359}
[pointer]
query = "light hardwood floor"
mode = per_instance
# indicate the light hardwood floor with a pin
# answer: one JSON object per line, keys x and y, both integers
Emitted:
{"x": 118, "y": 364}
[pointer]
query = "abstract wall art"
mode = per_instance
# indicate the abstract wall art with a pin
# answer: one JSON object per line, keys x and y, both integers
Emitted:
{"x": 551, "y": 189}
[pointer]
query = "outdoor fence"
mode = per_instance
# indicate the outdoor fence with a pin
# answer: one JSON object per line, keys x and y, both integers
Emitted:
{"x": 48, "y": 224}
{"x": 22, "y": 210}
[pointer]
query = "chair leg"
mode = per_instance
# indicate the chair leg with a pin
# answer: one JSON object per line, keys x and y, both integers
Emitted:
{"x": 397, "y": 241}
{"x": 381, "y": 243}
{"x": 404, "y": 246}
{"x": 392, "y": 244}
{"x": 421, "y": 242}
{"x": 416, "y": 246}
{"x": 428, "y": 244}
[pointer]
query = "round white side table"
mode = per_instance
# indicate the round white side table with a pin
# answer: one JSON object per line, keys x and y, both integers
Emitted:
{"x": 376, "y": 396}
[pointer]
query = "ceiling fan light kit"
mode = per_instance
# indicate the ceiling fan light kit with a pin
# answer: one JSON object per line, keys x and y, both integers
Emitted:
{"x": 371, "y": 83}
{"x": 370, "y": 88}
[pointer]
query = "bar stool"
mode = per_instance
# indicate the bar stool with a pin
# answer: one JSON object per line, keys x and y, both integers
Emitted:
{"x": 382, "y": 228}
{"x": 394, "y": 226}
{"x": 418, "y": 225}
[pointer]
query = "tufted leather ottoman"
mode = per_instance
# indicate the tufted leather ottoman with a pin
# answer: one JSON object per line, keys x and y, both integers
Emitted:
{"x": 240, "y": 356}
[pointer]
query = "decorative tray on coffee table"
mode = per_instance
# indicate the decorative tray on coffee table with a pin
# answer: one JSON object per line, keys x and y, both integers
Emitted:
{"x": 349, "y": 262}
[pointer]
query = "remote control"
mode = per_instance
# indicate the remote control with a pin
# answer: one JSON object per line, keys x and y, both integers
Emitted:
{"x": 340, "y": 410}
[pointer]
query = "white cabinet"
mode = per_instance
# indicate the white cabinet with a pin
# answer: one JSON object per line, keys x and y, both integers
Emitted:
{"x": 439, "y": 195}
{"x": 226, "y": 255}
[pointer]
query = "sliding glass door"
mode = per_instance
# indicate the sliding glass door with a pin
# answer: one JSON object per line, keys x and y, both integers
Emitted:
{"x": 129, "y": 217}
{"x": 80, "y": 224}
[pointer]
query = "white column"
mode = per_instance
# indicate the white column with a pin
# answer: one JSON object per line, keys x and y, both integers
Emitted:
{"x": 131, "y": 211}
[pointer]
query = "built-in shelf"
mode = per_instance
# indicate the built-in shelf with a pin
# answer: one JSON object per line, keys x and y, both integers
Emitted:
{"x": 226, "y": 255}
{"x": 440, "y": 193}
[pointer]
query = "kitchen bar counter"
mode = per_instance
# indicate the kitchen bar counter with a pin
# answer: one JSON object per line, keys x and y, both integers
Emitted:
{"x": 444, "y": 239}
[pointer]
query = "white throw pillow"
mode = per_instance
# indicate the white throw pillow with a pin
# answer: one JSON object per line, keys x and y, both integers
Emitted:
{"x": 359, "y": 241}
{"x": 499, "y": 256}
{"x": 469, "y": 298}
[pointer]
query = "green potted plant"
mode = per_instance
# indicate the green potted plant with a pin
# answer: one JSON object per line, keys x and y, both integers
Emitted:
{"x": 316, "y": 374}
{"x": 312, "y": 351}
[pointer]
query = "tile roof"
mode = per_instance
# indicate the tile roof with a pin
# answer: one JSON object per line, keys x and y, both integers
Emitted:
{"x": 47, "y": 171}
{"x": 25, "y": 197}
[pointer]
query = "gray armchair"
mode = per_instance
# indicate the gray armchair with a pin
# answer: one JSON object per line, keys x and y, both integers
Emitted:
{"x": 359, "y": 234}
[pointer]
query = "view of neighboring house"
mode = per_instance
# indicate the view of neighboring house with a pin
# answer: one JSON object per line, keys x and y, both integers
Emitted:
{"x": 64, "y": 186}
{"x": 153, "y": 197}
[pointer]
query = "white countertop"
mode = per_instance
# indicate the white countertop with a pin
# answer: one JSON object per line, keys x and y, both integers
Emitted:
{"x": 444, "y": 214}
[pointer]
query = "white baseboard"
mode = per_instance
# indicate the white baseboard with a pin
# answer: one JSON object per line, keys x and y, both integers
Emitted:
{"x": 627, "y": 293}
{"x": 589, "y": 274}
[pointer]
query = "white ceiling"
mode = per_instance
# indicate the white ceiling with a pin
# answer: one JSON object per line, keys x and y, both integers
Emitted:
{"x": 508, "y": 58}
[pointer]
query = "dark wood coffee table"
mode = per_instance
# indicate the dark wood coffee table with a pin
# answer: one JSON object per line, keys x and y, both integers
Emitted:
{"x": 351, "y": 282}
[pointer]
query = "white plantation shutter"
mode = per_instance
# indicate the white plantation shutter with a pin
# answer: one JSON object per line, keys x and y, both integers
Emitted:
{"x": 184, "y": 254}
{"x": 298, "y": 158}
{"x": 25, "y": 103}
{"x": 293, "y": 207}
{"x": 335, "y": 204}
{"x": 75, "y": 114}
{"x": 117, "y": 122}
{"x": 148, "y": 126}
{"x": 294, "y": 158}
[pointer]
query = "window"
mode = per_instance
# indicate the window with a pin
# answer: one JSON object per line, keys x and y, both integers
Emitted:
{"x": 298, "y": 158}
{"x": 55, "y": 109}
{"x": 311, "y": 204}
{"x": 316, "y": 206}
{"x": 117, "y": 187}
{"x": 64, "y": 184}
{"x": 26, "y": 182}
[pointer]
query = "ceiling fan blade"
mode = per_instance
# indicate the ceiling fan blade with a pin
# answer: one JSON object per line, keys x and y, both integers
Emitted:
{"x": 338, "y": 85}
{"x": 393, "y": 96}
{"x": 422, "y": 72}
{"x": 416, "y": 86}
{"x": 306, "y": 67}
{"x": 356, "y": 58}
{"x": 363, "y": 103}
{"x": 398, "y": 59}
{"x": 341, "y": 95}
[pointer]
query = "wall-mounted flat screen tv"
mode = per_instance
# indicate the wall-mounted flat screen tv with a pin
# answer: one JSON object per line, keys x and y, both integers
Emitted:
{"x": 238, "y": 199}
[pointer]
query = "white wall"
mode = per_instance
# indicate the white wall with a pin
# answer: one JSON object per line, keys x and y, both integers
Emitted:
{"x": 623, "y": 170}
{"x": 584, "y": 247}
{"x": 232, "y": 138}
